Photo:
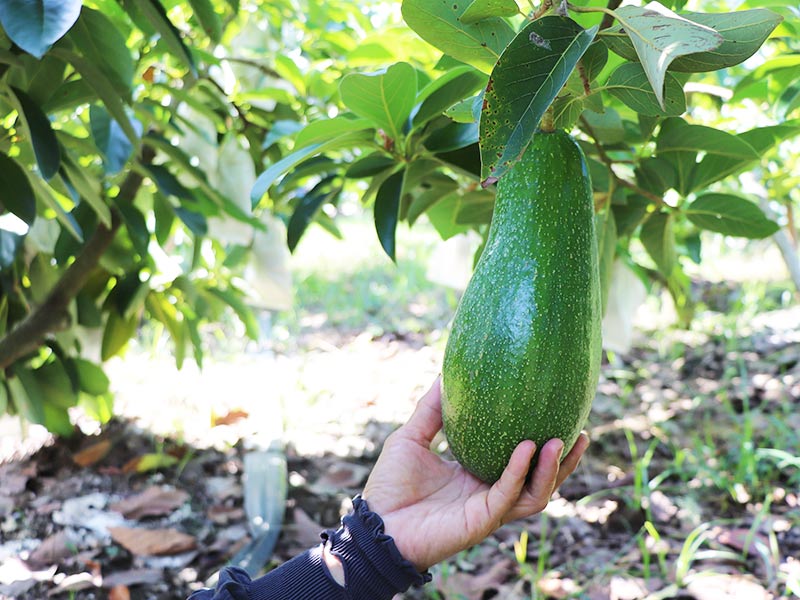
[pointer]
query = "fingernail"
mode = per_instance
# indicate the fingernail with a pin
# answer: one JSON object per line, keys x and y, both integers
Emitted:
{"x": 560, "y": 449}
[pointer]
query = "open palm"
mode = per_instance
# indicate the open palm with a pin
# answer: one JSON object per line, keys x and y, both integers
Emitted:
{"x": 433, "y": 508}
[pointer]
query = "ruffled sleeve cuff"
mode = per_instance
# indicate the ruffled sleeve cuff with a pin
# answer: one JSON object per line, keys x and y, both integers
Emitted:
{"x": 374, "y": 569}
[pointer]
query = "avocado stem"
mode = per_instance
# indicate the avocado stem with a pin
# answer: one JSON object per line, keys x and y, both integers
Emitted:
{"x": 547, "y": 123}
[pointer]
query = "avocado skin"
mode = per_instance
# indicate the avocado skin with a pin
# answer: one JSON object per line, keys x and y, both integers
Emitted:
{"x": 523, "y": 357}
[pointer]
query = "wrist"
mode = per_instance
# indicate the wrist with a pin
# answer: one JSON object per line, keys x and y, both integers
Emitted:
{"x": 394, "y": 528}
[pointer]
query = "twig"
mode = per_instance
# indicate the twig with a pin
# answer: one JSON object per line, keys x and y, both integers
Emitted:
{"x": 609, "y": 162}
{"x": 546, "y": 5}
{"x": 608, "y": 19}
{"x": 53, "y": 314}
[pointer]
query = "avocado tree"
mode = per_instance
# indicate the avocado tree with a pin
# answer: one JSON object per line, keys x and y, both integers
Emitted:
{"x": 132, "y": 132}
{"x": 637, "y": 86}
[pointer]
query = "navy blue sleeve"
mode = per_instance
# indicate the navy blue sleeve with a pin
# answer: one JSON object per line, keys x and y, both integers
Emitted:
{"x": 373, "y": 568}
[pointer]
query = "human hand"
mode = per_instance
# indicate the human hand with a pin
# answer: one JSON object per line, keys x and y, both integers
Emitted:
{"x": 434, "y": 508}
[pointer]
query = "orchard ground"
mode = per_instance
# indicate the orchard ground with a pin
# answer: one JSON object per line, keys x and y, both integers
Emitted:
{"x": 690, "y": 489}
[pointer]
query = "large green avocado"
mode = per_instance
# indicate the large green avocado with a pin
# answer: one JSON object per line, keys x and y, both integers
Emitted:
{"x": 523, "y": 356}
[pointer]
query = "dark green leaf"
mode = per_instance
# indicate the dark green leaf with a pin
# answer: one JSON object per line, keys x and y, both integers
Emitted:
{"x": 169, "y": 184}
{"x": 105, "y": 90}
{"x": 715, "y": 166}
{"x": 730, "y": 215}
{"x": 16, "y": 193}
{"x": 110, "y": 139}
{"x": 137, "y": 227}
{"x": 524, "y": 82}
{"x": 452, "y": 137}
{"x": 306, "y": 209}
{"x": 196, "y": 222}
{"x": 100, "y": 41}
{"x": 164, "y": 217}
{"x": 439, "y": 24}
{"x": 679, "y": 142}
{"x": 87, "y": 187}
{"x": 447, "y": 94}
{"x": 656, "y": 175}
{"x": 629, "y": 84}
{"x": 605, "y": 127}
{"x": 743, "y": 32}
{"x": 10, "y": 244}
{"x": 154, "y": 12}
{"x": 384, "y": 98}
{"x": 429, "y": 196}
{"x": 208, "y": 18}
{"x": 45, "y": 144}
{"x": 35, "y": 25}
{"x": 386, "y": 211}
{"x": 658, "y": 238}
{"x": 55, "y": 385}
{"x": 369, "y": 165}
{"x": 659, "y": 36}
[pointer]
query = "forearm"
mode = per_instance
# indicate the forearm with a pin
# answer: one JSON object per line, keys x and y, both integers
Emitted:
{"x": 372, "y": 568}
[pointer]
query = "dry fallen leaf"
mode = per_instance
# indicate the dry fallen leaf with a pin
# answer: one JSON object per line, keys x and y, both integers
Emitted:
{"x": 230, "y": 417}
{"x": 92, "y": 454}
{"x": 53, "y": 549}
{"x": 152, "y": 542}
{"x": 155, "y": 501}
{"x": 720, "y": 586}
{"x": 472, "y": 587}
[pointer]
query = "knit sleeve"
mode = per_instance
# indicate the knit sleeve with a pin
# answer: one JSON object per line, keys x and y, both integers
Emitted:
{"x": 373, "y": 566}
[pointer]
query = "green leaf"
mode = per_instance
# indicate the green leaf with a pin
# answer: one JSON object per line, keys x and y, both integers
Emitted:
{"x": 100, "y": 41}
{"x": 606, "y": 227}
{"x": 629, "y": 84}
{"x": 325, "y": 129}
{"x": 387, "y": 210}
{"x": 43, "y": 138}
{"x": 441, "y": 186}
{"x": 743, "y": 32}
{"x": 110, "y": 139}
{"x": 268, "y": 177}
{"x": 679, "y": 142}
{"x": 91, "y": 377}
{"x": 87, "y": 187}
{"x": 475, "y": 208}
{"x": 208, "y": 18}
{"x": 524, "y": 82}
{"x": 452, "y": 137}
{"x": 154, "y": 12}
{"x": 16, "y": 193}
{"x": 30, "y": 407}
{"x": 447, "y": 94}
{"x": 477, "y": 10}
{"x": 369, "y": 165}
{"x": 195, "y": 221}
{"x": 67, "y": 220}
{"x": 384, "y": 98}
{"x": 729, "y": 214}
{"x": 606, "y": 127}
{"x": 137, "y": 227}
{"x": 232, "y": 297}
{"x": 306, "y": 209}
{"x": 10, "y": 244}
{"x": 35, "y": 25}
{"x": 659, "y": 36}
{"x": 439, "y": 24}
{"x": 442, "y": 216}
{"x": 105, "y": 91}
{"x": 117, "y": 332}
{"x": 658, "y": 238}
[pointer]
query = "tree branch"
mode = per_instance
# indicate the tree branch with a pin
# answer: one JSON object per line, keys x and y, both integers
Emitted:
{"x": 53, "y": 314}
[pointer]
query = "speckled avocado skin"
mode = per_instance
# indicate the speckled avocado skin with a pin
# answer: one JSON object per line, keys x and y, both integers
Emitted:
{"x": 523, "y": 357}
